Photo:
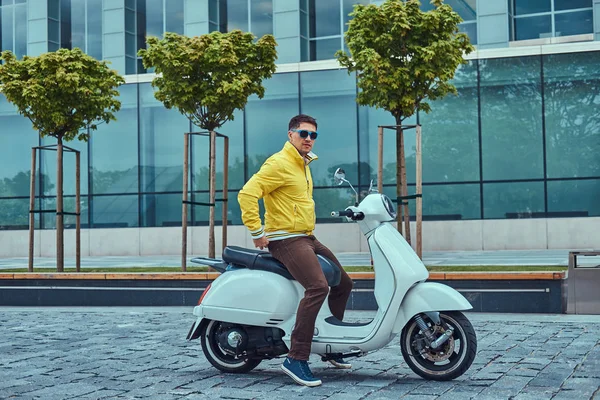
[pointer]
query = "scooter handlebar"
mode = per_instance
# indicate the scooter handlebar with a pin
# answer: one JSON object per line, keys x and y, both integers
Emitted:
{"x": 355, "y": 216}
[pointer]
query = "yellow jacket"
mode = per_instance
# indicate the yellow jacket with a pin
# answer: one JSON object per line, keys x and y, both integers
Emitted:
{"x": 285, "y": 183}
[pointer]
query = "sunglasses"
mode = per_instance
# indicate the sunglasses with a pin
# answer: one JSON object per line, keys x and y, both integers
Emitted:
{"x": 304, "y": 133}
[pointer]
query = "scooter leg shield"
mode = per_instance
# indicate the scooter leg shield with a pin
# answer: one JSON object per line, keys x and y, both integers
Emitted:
{"x": 429, "y": 296}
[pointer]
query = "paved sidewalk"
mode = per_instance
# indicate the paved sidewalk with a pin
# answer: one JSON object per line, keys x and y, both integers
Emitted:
{"x": 126, "y": 353}
{"x": 506, "y": 257}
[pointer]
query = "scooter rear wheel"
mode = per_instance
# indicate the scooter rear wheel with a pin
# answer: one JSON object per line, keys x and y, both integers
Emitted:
{"x": 451, "y": 359}
{"x": 217, "y": 356}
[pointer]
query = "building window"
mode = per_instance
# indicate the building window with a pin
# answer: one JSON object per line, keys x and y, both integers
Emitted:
{"x": 13, "y": 26}
{"x": 322, "y": 27}
{"x": 254, "y": 16}
{"x": 550, "y": 18}
{"x": 86, "y": 26}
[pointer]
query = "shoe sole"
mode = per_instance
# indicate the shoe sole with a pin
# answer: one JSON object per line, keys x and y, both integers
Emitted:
{"x": 298, "y": 380}
{"x": 340, "y": 366}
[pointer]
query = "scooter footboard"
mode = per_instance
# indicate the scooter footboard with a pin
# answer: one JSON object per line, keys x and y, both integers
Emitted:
{"x": 426, "y": 297}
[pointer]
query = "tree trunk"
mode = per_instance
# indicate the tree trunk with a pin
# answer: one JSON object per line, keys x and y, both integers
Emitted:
{"x": 405, "y": 190}
{"x": 60, "y": 243}
{"x": 212, "y": 190}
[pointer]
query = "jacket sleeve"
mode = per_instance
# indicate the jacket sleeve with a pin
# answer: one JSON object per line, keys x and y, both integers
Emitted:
{"x": 267, "y": 179}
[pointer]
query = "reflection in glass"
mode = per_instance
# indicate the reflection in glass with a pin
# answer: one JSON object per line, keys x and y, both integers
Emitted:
{"x": 513, "y": 200}
{"x": 234, "y": 130}
{"x": 7, "y": 28}
{"x": 330, "y": 98}
{"x": 511, "y": 123}
{"x": 14, "y": 214}
{"x": 572, "y": 111}
{"x": 17, "y": 137}
{"x": 324, "y": 49}
{"x": 162, "y": 210}
{"x": 237, "y": 15}
{"x": 20, "y": 31}
{"x": 47, "y": 165}
{"x": 533, "y": 27}
{"x": 261, "y": 17}
{"x": 161, "y": 144}
{"x": 574, "y": 198}
{"x": 324, "y": 18}
{"x": 328, "y": 200}
{"x": 444, "y": 202}
{"x": 467, "y": 9}
{"x": 267, "y": 119}
{"x": 369, "y": 120}
{"x": 174, "y": 16}
{"x": 575, "y": 23}
{"x": 471, "y": 31}
{"x": 531, "y": 6}
{"x": 48, "y": 220}
{"x": 115, "y": 211}
{"x": 560, "y": 5}
{"x": 201, "y": 213}
{"x": 114, "y": 150}
{"x": 450, "y": 138}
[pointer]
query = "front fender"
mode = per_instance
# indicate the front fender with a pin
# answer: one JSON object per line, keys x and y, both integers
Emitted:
{"x": 426, "y": 297}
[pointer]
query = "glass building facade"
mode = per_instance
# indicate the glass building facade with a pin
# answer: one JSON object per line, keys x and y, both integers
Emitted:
{"x": 520, "y": 140}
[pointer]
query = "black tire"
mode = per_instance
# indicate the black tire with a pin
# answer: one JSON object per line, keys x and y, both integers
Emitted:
{"x": 448, "y": 362}
{"x": 216, "y": 356}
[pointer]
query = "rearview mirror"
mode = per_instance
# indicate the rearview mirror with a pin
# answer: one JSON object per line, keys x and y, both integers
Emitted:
{"x": 339, "y": 176}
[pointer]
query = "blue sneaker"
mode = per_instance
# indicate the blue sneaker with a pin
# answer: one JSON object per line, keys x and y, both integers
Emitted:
{"x": 299, "y": 371}
{"x": 339, "y": 363}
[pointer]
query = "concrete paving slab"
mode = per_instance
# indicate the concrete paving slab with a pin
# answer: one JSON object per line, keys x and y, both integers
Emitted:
{"x": 141, "y": 352}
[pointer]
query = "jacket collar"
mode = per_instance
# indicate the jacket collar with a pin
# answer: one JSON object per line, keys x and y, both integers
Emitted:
{"x": 291, "y": 151}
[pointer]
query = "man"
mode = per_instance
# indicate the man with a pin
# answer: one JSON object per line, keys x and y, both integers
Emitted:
{"x": 285, "y": 183}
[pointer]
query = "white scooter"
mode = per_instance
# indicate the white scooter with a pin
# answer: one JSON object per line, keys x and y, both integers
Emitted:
{"x": 248, "y": 313}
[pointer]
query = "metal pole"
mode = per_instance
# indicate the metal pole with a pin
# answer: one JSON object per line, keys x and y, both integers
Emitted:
{"x": 419, "y": 190}
{"x": 78, "y": 212}
{"x": 380, "y": 160}
{"x": 225, "y": 189}
{"x": 31, "y": 209}
{"x": 212, "y": 186}
{"x": 184, "y": 208}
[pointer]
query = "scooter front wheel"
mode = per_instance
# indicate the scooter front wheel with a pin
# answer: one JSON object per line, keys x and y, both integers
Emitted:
{"x": 451, "y": 359}
{"x": 218, "y": 356}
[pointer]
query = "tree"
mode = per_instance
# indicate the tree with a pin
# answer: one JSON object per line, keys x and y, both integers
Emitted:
{"x": 403, "y": 56}
{"x": 207, "y": 78}
{"x": 65, "y": 94}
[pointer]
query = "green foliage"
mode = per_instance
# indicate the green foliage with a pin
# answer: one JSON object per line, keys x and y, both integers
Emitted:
{"x": 403, "y": 55}
{"x": 208, "y": 77}
{"x": 61, "y": 92}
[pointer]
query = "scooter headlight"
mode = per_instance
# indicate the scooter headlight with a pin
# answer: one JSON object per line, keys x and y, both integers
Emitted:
{"x": 389, "y": 206}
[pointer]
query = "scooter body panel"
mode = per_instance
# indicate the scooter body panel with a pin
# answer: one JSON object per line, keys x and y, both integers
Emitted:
{"x": 426, "y": 297}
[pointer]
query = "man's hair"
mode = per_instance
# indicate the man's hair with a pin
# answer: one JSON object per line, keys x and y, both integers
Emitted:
{"x": 298, "y": 119}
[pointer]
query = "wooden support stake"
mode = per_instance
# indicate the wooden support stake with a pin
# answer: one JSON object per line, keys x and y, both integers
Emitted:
{"x": 78, "y": 212}
{"x": 212, "y": 187}
{"x": 184, "y": 206}
{"x": 31, "y": 209}
{"x": 419, "y": 190}
{"x": 225, "y": 189}
{"x": 380, "y": 159}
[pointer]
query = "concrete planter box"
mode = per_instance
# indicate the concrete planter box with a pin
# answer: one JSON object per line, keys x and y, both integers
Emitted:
{"x": 537, "y": 292}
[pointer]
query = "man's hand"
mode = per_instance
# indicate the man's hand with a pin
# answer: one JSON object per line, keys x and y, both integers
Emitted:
{"x": 261, "y": 243}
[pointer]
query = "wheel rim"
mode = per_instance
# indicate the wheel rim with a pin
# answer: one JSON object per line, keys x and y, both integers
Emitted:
{"x": 216, "y": 352}
{"x": 449, "y": 362}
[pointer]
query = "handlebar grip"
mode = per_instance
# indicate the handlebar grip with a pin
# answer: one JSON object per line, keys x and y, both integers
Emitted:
{"x": 345, "y": 213}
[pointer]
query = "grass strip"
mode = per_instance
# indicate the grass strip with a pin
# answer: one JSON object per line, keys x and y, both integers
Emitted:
{"x": 433, "y": 268}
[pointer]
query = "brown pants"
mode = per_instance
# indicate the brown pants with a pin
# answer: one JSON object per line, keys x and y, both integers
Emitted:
{"x": 299, "y": 255}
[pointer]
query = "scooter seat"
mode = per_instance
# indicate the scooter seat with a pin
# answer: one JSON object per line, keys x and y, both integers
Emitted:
{"x": 264, "y": 261}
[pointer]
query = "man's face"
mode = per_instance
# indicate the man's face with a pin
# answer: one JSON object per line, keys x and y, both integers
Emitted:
{"x": 303, "y": 145}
